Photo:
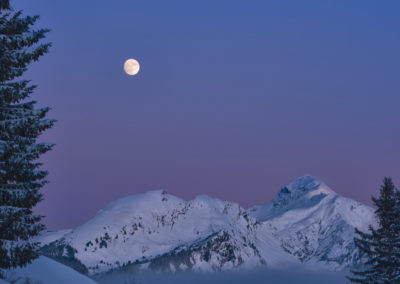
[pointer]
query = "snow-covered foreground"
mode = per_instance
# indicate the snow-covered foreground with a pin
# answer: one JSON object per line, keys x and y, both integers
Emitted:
{"x": 46, "y": 271}
{"x": 291, "y": 276}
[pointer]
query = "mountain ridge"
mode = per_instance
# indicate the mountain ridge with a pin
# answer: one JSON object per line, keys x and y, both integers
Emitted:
{"x": 307, "y": 222}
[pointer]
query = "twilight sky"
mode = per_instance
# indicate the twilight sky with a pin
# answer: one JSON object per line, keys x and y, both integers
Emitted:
{"x": 234, "y": 99}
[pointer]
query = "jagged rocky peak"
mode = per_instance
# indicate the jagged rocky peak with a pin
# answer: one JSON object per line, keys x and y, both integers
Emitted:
{"x": 305, "y": 191}
{"x": 306, "y": 185}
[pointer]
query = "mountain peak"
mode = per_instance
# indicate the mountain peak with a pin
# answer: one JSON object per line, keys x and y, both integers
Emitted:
{"x": 306, "y": 184}
{"x": 305, "y": 191}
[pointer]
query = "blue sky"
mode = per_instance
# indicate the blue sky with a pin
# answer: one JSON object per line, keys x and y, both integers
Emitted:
{"x": 234, "y": 98}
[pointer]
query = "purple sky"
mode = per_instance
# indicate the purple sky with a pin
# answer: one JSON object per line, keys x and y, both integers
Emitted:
{"x": 234, "y": 99}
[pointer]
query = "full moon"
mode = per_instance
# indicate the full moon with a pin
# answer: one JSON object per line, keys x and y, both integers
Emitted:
{"x": 131, "y": 67}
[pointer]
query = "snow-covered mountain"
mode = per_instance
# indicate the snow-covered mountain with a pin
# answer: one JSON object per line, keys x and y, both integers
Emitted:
{"x": 314, "y": 223}
{"x": 161, "y": 231}
{"x": 306, "y": 222}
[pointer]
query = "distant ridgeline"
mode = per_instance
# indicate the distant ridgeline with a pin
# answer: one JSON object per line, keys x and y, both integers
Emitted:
{"x": 306, "y": 223}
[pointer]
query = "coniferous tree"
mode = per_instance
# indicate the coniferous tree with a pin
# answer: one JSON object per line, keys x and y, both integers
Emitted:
{"x": 381, "y": 244}
{"x": 20, "y": 125}
{"x": 396, "y": 244}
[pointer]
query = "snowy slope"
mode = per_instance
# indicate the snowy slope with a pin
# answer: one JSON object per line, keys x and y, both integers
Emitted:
{"x": 150, "y": 228}
{"x": 306, "y": 223}
{"x": 46, "y": 271}
{"x": 314, "y": 223}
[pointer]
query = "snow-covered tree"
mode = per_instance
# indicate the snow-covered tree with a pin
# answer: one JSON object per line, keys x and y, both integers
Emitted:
{"x": 381, "y": 244}
{"x": 21, "y": 123}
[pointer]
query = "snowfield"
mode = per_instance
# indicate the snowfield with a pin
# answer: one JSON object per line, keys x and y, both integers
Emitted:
{"x": 46, "y": 271}
{"x": 307, "y": 223}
